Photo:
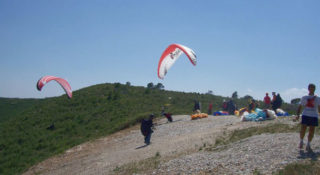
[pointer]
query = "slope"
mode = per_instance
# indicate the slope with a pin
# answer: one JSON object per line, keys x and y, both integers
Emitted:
{"x": 93, "y": 112}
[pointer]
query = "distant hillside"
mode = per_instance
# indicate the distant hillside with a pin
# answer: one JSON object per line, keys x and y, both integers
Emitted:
{"x": 11, "y": 107}
{"x": 26, "y": 137}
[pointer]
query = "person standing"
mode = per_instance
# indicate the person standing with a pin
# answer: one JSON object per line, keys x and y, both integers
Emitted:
{"x": 231, "y": 107}
{"x": 273, "y": 102}
{"x": 251, "y": 105}
{"x": 210, "y": 108}
{"x": 267, "y": 101}
{"x": 224, "y": 105}
{"x": 146, "y": 128}
{"x": 197, "y": 107}
{"x": 279, "y": 101}
{"x": 311, "y": 104}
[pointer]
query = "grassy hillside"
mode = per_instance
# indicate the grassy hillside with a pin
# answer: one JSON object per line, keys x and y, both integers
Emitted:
{"x": 96, "y": 111}
{"x": 11, "y": 107}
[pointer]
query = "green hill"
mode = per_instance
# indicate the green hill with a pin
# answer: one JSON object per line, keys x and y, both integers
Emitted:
{"x": 11, "y": 107}
{"x": 26, "y": 137}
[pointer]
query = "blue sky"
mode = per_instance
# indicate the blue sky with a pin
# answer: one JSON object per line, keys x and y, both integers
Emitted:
{"x": 248, "y": 46}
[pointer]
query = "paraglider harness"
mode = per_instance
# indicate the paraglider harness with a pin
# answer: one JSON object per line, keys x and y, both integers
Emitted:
{"x": 145, "y": 127}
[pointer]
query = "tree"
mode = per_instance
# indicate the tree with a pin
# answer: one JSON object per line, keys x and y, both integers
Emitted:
{"x": 147, "y": 91}
{"x": 247, "y": 97}
{"x": 150, "y": 85}
{"x": 159, "y": 86}
{"x": 117, "y": 85}
{"x": 295, "y": 101}
{"x": 234, "y": 95}
{"x": 109, "y": 96}
{"x": 210, "y": 92}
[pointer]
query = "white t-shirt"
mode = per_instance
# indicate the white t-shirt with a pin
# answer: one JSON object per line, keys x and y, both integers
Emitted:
{"x": 310, "y": 104}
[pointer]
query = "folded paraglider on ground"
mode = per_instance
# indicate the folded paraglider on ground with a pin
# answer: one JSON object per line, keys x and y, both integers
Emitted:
{"x": 262, "y": 114}
{"x": 199, "y": 116}
{"x": 281, "y": 113}
{"x": 218, "y": 113}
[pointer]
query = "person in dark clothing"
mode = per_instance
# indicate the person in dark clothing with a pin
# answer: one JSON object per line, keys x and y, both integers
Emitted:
{"x": 196, "y": 107}
{"x": 279, "y": 101}
{"x": 252, "y": 105}
{"x": 163, "y": 108}
{"x": 231, "y": 107}
{"x": 274, "y": 102}
{"x": 146, "y": 128}
{"x": 51, "y": 127}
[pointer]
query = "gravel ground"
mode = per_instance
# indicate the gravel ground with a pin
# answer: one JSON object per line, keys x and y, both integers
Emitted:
{"x": 265, "y": 153}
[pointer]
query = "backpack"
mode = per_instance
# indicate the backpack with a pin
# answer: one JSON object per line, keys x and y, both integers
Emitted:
{"x": 144, "y": 127}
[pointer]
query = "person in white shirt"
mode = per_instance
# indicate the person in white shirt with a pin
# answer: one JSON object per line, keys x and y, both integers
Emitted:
{"x": 311, "y": 105}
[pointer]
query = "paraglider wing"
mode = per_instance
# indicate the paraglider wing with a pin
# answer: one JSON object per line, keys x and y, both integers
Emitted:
{"x": 64, "y": 84}
{"x": 170, "y": 56}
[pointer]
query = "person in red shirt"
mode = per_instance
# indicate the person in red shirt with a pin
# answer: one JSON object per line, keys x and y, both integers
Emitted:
{"x": 210, "y": 108}
{"x": 267, "y": 101}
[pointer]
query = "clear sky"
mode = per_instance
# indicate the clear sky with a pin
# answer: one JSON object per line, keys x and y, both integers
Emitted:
{"x": 248, "y": 46}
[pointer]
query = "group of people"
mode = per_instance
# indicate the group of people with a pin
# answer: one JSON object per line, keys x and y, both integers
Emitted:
{"x": 275, "y": 103}
{"x": 229, "y": 106}
{"x": 308, "y": 109}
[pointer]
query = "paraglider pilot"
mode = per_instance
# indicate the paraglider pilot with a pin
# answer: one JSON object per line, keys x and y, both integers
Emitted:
{"x": 168, "y": 116}
{"x": 197, "y": 107}
{"x": 146, "y": 128}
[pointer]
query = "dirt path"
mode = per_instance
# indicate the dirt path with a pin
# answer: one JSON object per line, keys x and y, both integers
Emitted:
{"x": 103, "y": 155}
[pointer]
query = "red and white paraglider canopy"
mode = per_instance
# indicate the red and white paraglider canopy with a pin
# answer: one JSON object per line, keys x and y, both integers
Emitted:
{"x": 64, "y": 84}
{"x": 170, "y": 56}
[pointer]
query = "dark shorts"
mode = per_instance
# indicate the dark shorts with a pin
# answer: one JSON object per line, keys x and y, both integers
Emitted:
{"x": 309, "y": 121}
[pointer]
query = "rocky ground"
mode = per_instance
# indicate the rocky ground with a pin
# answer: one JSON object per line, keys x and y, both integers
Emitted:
{"x": 181, "y": 140}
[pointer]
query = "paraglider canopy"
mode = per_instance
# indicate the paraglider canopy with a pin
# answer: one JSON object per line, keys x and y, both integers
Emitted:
{"x": 170, "y": 56}
{"x": 64, "y": 84}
